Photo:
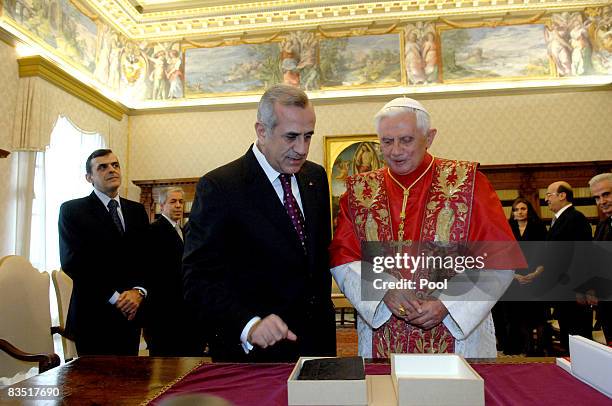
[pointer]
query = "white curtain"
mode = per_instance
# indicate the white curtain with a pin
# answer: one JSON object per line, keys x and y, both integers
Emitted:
{"x": 59, "y": 176}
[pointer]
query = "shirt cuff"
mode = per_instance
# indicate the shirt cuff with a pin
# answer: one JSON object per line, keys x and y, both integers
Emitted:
{"x": 142, "y": 289}
{"x": 113, "y": 299}
{"x": 246, "y": 345}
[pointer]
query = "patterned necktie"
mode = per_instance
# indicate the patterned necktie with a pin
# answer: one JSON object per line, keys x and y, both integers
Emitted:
{"x": 293, "y": 209}
{"x": 112, "y": 209}
{"x": 179, "y": 231}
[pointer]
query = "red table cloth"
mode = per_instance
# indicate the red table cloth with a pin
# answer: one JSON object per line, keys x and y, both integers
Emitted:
{"x": 505, "y": 384}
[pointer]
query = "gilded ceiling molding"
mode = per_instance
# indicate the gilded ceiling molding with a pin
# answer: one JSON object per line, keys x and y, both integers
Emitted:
{"x": 356, "y": 32}
{"x": 493, "y": 23}
{"x": 233, "y": 20}
{"x": 79, "y": 6}
{"x": 231, "y": 42}
{"x": 40, "y": 67}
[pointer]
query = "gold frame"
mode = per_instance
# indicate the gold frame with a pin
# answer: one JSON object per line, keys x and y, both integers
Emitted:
{"x": 333, "y": 146}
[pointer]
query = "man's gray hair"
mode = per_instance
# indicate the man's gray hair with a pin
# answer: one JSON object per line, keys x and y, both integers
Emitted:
{"x": 284, "y": 95}
{"x": 600, "y": 178}
{"x": 163, "y": 194}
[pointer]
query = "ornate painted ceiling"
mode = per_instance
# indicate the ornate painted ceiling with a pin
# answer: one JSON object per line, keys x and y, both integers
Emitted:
{"x": 165, "y": 53}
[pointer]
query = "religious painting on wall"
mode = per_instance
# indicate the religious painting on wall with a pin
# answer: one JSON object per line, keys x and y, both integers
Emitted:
{"x": 299, "y": 60}
{"x": 361, "y": 61}
{"x": 60, "y": 25}
{"x": 505, "y": 52}
{"x": 581, "y": 43}
{"x": 345, "y": 156}
{"x": 239, "y": 69}
{"x": 421, "y": 53}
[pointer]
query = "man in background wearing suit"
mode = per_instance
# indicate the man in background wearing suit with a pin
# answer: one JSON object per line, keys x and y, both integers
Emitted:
{"x": 256, "y": 260}
{"x": 568, "y": 225}
{"x": 171, "y": 329}
{"x": 601, "y": 190}
{"x": 101, "y": 239}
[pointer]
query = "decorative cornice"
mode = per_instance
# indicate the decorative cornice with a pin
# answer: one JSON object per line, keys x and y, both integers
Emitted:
{"x": 207, "y": 22}
{"x": 40, "y": 67}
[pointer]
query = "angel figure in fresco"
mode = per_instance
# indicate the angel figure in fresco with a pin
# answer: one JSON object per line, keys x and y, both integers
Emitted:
{"x": 415, "y": 67}
{"x": 114, "y": 61}
{"x": 174, "y": 74}
{"x": 559, "y": 49}
{"x": 290, "y": 51}
{"x": 299, "y": 60}
{"x": 581, "y": 46}
{"x": 158, "y": 75}
{"x": 430, "y": 57}
{"x": 308, "y": 65}
{"x": 103, "y": 46}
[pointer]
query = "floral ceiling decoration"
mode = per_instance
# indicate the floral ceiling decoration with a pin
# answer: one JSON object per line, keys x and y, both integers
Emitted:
{"x": 217, "y": 53}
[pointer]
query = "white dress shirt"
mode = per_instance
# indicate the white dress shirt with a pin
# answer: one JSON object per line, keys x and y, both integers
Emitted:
{"x": 273, "y": 176}
{"x": 105, "y": 199}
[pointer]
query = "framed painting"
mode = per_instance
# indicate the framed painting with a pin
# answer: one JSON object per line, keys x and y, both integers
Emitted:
{"x": 347, "y": 155}
{"x": 361, "y": 61}
{"x": 231, "y": 70}
{"x": 504, "y": 52}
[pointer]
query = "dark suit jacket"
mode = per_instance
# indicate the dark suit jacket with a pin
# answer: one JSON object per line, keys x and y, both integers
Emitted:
{"x": 243, "y": 258}
{"x": 171, "y": 328}
{"x": 101, "y": 261}
{"x": 570, "y": 227}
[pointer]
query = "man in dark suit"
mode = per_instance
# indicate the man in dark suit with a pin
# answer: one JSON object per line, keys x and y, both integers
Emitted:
{"x": 568, "y": 225}
{"x": 171, "y": 330}
{"x": 256, "y": 261}
{"x": 101, "y": 239}
{"x": 601, "y": 190}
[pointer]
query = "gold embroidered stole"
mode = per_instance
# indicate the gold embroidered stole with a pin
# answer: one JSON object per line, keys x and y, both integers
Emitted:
{"x": 446, "y": 219}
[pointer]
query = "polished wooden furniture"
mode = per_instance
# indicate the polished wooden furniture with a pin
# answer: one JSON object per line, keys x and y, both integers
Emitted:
{"x": 4, "y": 153}
{"x": 531, "y": 180}
{"x": 104, "y": 380}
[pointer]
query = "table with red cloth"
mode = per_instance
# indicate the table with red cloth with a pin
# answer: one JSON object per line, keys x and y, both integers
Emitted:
{"x": 529, "y": 383}
{"x": 115, "y": 381}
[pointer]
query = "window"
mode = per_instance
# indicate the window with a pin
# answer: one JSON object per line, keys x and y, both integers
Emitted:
{"x": 59, "y": 176}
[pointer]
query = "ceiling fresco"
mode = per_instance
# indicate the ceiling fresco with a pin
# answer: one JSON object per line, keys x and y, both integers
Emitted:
{"x": 201, "y": 53}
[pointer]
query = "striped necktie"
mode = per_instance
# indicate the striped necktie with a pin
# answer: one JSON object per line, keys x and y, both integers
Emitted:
{"x": 112, "y": 209}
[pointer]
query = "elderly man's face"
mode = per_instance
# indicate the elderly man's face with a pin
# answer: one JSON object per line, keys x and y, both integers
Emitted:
{"x": 286, "y": 146}
{"x": 105, "y": 174}
{"x": 602, "y": 192}
{"x": 173, "y": 206}
{"x": 403, "y": 146}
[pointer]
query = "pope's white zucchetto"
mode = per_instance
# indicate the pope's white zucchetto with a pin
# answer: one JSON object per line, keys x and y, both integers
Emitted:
{"x": 402, "y": 102}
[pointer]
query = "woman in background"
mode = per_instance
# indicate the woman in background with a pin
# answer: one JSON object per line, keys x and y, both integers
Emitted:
{"x": 525, "y": 320}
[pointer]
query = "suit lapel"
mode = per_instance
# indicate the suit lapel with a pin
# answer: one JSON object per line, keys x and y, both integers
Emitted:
{"x": 100, "y": 212}
{"x": 262, "y": 193}
{"x": 172, "y": 231}
{"x": 308, "y": 189}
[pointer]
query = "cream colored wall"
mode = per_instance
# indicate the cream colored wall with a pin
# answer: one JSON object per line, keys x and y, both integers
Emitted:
{"x": 502, "y": 129}
{"x": 8, "y": 97}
